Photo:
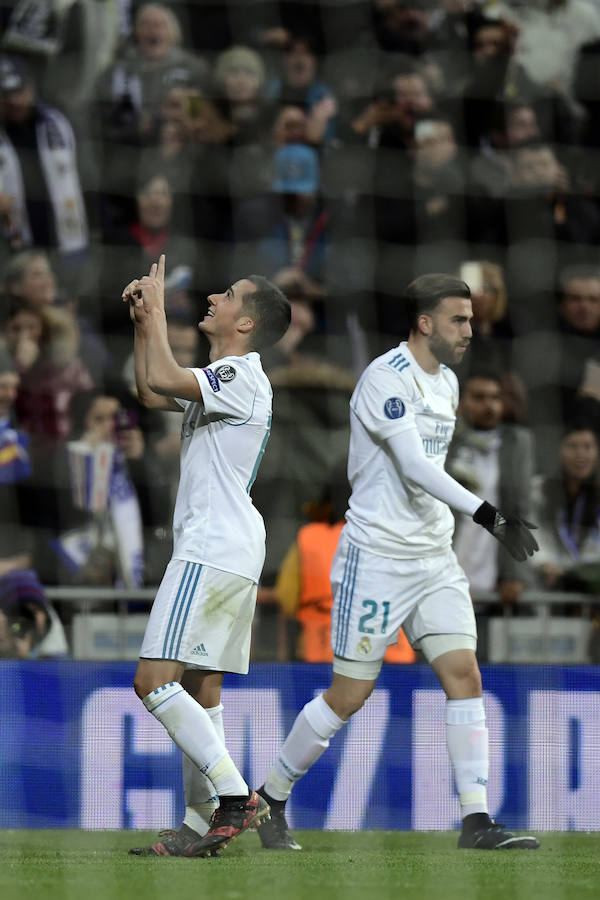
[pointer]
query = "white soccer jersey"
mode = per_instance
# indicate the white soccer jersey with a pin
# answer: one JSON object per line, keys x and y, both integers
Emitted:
{"x": 222, "y": 442}
{"x": 388, "y": 514}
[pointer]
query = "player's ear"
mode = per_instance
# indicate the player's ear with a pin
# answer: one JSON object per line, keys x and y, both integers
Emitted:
{"x": 245, "y": 324}
{"x": 425, "y": 324}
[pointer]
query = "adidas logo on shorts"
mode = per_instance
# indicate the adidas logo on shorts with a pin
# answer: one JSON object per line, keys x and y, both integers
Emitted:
{"x": 199, "y": 650}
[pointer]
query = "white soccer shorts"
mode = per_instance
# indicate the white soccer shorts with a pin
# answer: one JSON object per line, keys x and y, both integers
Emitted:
{"x": 375, "y": 595}
{"x": 203, "y": 617}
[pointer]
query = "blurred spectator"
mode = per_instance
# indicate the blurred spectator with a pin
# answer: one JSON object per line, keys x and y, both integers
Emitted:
{"x": 29, "y": 625}
{"x": 42, "y": 197}
{"x": 289, "y": 126}
{"x": 549, "y": 35}
{"x": 423, "y": 204}
{"x": 303, "y": 588}
{"x": 132, "y": 249}
{"x": 439, "y": 189}
{"x": 44, "y": 345}
{"x": 497, "y": 76}
{"x": 290, "y": 226}
{"x": 547, "y": 225}
{"x": 492, "y": 334}
{"x": 587, "y": 94}
{"x": 552, "y": 360}
{"x": 568, "y": 515}
{"x": 16, "y": 542}
{"x": 402, "y": 26}
{"x": 299, "y": 85}
{"x": 189, "y": 117}
{"x": 509, "y": 125}
{"x": 191, "y": 135}
{"x": 586, "y": 89}
{"x": 101, "y": 541}
{"x": 239, "y": 77}
{"x": 297, "y": 346}
{"x": 495, "y": 458}
{"x": 30, "y": 278}
{"x": 127, "y": 102}
{"x": 67, "y": 43}
{"x": 308, "y": 445}
{"x": 389, "y": 119}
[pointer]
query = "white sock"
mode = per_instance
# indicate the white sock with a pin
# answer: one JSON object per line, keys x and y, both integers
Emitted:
{"x": 190, "y": 726}
{"x": 198, "y": 790}
{"x": 308, "y": 739}
{"x": 467, "y": 740}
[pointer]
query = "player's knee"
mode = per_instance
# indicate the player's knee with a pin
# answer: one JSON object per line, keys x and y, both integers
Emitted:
{"x": 347, "y": 700}
{"x": 140, "y": 687}
{"x": 144, "y": 683}
{"x": 467, "y": 677}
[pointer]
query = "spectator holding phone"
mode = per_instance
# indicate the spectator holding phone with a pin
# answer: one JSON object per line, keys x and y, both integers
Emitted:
{"x": 109, "y": 476}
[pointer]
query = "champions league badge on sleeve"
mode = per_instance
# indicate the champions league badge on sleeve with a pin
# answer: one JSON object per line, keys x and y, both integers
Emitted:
{"x": 394, "y": 408}
{"x": 225, "y": 373}
{"x": 212, "y": 380}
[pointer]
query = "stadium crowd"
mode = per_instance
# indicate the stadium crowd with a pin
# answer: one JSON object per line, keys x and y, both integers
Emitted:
{"x": 340, "y": 148}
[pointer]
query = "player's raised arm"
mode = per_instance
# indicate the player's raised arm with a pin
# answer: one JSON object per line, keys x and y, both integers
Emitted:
{"x": 142, "y": 322}
{"x": 164, "y": 376}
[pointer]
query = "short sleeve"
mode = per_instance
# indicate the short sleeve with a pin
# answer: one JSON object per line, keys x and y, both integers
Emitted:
{"x": 384, "y": 403}
{"x": 228, "y": 388}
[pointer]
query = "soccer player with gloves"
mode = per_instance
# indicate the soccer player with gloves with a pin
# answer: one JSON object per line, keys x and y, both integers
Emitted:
{"x": 394, "y": 565}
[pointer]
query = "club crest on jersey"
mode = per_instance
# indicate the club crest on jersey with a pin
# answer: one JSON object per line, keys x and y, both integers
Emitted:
{"x": 394, "y": 408}
{"x": 225, "y": 373}
{"x": 212, "y": 380}
{"x": 364, "y": 646}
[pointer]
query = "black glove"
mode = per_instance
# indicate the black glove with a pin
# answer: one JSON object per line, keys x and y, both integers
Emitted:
{"x": 512, "y": 532}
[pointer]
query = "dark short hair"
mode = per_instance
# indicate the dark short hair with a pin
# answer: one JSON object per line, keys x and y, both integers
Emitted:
{"x": 271, "y": 311}
{"x": 578, "y": 422}
{"x": 485, "y": 373}
{"x": 583, "y": 271}
{"x": 426, "y": 292}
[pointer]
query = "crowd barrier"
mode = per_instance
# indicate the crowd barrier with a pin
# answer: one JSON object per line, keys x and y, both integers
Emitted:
{"x": 79, "y": 750}
{"x": 531, "y": 632}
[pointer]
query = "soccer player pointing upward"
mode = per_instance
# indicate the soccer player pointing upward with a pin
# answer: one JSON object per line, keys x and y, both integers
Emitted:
{"x": 200, "y": 622}
{"x": 394, "y": 565}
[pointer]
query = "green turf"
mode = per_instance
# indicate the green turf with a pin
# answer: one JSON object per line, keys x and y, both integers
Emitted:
{"x": 372, "y": 865}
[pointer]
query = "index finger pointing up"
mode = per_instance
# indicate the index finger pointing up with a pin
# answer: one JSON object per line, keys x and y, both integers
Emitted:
{"x": 160, "y": 274}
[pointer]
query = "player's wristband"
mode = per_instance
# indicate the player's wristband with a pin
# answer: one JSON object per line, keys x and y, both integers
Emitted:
{"x": 485, "y": 515}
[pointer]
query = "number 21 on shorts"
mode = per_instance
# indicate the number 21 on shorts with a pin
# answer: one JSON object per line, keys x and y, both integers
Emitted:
{"x": 372, "y": 610}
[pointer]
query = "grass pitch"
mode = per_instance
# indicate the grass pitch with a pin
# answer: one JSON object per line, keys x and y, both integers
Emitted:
{"x": 376, "y": 865}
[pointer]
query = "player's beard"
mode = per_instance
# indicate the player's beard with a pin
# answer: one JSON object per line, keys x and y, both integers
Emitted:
{"x": 446, "y": 353}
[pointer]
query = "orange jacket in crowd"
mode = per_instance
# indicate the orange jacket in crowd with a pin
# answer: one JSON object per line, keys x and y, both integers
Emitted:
{"x": 304, "y": 591}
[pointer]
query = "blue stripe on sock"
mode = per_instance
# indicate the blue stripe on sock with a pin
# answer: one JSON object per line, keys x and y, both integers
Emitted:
{"x": 158, "y": 705}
